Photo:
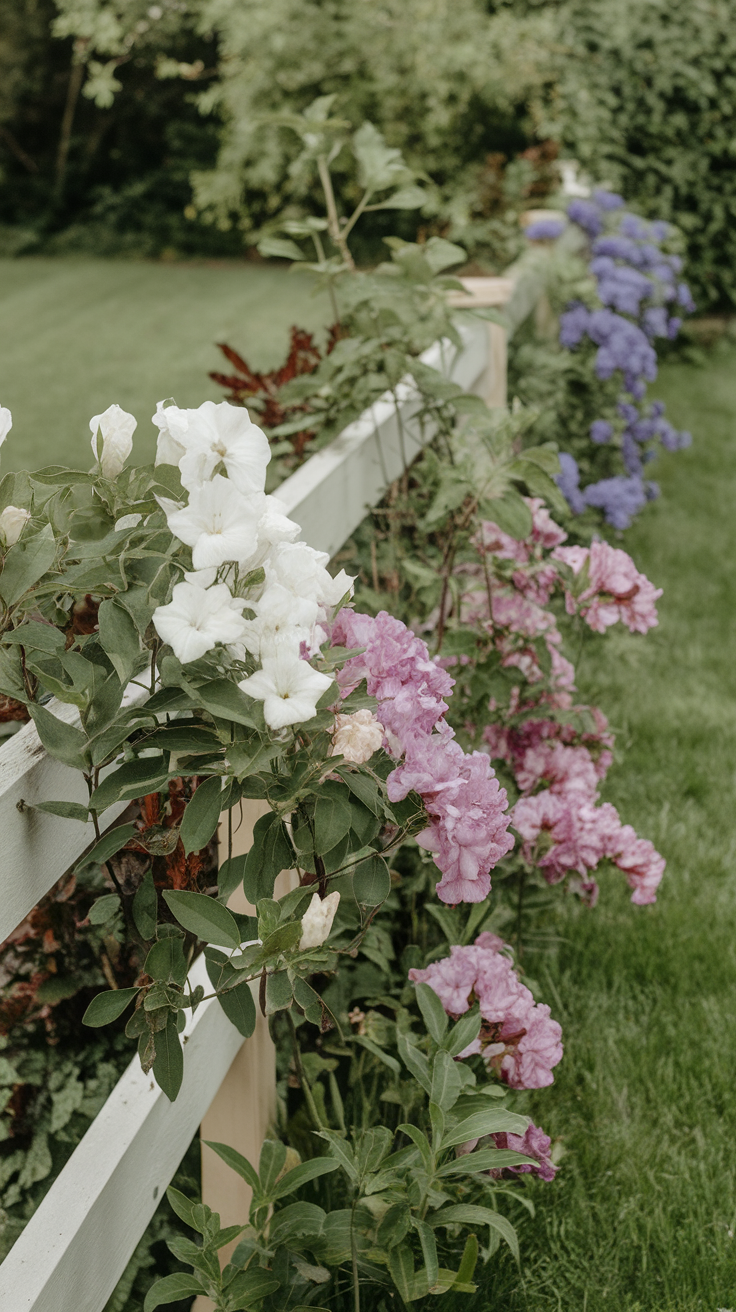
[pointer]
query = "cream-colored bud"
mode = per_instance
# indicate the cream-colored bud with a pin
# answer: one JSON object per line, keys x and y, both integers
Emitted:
{"x": 317, "y": 920}
{"x": 356, "y": 736}
{"x": 12, "y": 522}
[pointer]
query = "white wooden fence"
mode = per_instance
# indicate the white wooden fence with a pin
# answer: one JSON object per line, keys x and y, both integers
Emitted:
{"x": 78, "y": 1243}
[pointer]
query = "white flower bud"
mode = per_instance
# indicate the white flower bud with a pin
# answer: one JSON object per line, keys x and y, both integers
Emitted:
{"x": 12, "y": 522}
{"x": 356, "y": 736}
{"x": 117, "y": 428}
{"x": 6, "y": 423}
{"x": 317, "y": 920}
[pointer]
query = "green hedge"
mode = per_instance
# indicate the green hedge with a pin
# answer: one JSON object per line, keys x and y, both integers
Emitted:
{"x": 645, "y": 98}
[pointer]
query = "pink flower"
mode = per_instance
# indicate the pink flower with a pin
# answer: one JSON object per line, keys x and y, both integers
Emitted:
{"x": 579, "y": 833}
{"x": 518, "y": 1039}
{"x": 533, "y": 1143}
{"x": 614, "y": 590}
{"x": 562, "y": 769}
{"x": 642, "y": 865}
{"x": 468, "y": 830}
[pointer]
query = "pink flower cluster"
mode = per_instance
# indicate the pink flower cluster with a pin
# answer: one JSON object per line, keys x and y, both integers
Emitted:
{"x": 518, "y": 1039}
{"x": 564, "y": 830}
{"x": 533, "y": 1143}
{"x": 468, "y": 833}
{"x": 614, "y": 589}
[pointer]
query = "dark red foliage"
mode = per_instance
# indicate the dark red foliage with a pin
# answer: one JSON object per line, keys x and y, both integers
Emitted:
{"x": 259, "y": 391}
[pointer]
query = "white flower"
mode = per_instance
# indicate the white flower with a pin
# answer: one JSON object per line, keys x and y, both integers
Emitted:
{"x": 196, "y": 619}
{"x": 301, "y": 569}
{"x": 6, "y": 423}
{"x": 224, "y": 434}
{"x": 172, "y": 424}
{"x": 317, "y": 920}
{"x": 281, "y": 620}
{"x": 117, "y": 428}
{"x": 218, "y": 524}
{"x": 288, "y": 687}
{"x": 12, "y": 522}
{"x": 356, "y": 736}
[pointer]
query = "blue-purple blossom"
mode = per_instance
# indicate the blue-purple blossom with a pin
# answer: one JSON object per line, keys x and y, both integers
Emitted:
{"x": 568, "y": 481}
{"x": 574, "y": 324}
{"x": 601, "y": 431}
{"x": 673, "y": 327}
{"x": 545, "y": 229}
{"x": 619, "y": 498}
{"x": 587, "y": 216}
{"x": 684, "y": 297}
{"x": 654, "y": 321}
{"x": 607, "y": 200}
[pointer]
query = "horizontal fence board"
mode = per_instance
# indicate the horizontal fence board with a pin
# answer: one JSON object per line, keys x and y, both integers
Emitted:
{"x": 75, "y": 1248}
{"x": 37, "y": 847}
{"x": 332, "y": 493}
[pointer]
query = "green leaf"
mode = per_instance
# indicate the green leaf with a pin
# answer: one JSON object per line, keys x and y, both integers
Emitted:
{"x": 203, "y": 916}
{"x": 230, "y": 876}
{"x": 302, "y": 1174}
{"x": 109, "y": 844}
{"x": 429, "y": 1249}
{"x": 332, "y": 817}
{"x": 495, "y": 1120}
{"x": 278, "y": 992}
{"x": 168, "y": 1065}
{"x": 295, "y": 1221}
{"x": 145, "y": 907}
{"x": 107, "y": 1006}
{"x": 183, "y": 1207}
{"x": 484, "y": 1159}
{"x": 226, "y": 701}
{"x": 25, "y": 563}
{"x": 511, "y": 513}
{"x": 401, "y": 1270}
{"x": 238, "y": 1163}
{"x": 270, "y": 853}
{"x": 417, "y": 1064}
{"x": 66, "y": 810}
{"x": 119, "y": 638}
{"x": 364, "y": 787}
{"x": 406, "y": 198}
{"x": 279, "y": 248}
{"x": 132, "y": 779}
{"x": 237, "y": 1003}
{"x": 468, "y": 1214}
{"x": 202, "y": 815}
{"x": 249, "y": 1287}
{"x": 371, "y": 882}
{"x": 103, "y": 909}
{"x": 165, "y": 961}
{"x": 468, "y": 1261}
{"x": 61, "y": 740}
{"x": 171, "y": 1290}
{"x": 463, "y": 1032}
{"x": 447, "y": 1081}
{"x": 435, "y": 1016}
{"x": 441, "y": 254}
{"x": 271, "y": 1163}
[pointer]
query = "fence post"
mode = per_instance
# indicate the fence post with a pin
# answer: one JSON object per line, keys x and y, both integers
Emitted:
{"x": 244, "y": 1107}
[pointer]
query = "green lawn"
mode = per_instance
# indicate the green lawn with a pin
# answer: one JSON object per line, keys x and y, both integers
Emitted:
{"x": 642, "y": 1217}
{"x": 78, "y": 334}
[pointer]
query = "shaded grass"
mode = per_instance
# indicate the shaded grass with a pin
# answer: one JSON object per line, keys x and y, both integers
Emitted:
{"x": 642, "y": 1217}
{"x": 78, "y": 334}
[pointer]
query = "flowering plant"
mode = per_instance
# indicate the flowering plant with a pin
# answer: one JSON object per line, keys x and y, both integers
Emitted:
{"x": 217, "y": 659}
{"x": 497, "y": 607}
{"x": 610, "y": 322}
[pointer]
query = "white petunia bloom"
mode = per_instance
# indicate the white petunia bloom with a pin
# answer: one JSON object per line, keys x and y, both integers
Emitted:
{"x": 356, "y": 736}
{"x": 288, "y": 687}
{"x": 6, "y": 423}
{"x": 196, "y": 619}
{"x": 172, "y": 424}
{"x": 218, "y": 524}
{"x": 224, "y": 434}
{"x": 117, "y": 428}
{"x": 301, "y": 569}
{"x": 282, "y": 620}
{"x": 12, "y": 522}
{"x": 317, "y": 920}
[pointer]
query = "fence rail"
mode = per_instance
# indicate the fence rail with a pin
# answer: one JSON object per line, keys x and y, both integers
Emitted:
{"x": 76, "y": 1246}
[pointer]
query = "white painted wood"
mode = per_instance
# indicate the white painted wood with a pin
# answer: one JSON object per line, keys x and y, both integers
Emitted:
{"x": 331, "y": 494}
{"x": 37, "y": 848}
{"x": 76, "y": 1246}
